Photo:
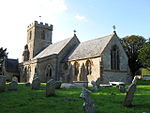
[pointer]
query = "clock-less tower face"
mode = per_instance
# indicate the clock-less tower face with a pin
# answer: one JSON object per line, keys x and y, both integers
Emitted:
{"x": 39, "y": 36}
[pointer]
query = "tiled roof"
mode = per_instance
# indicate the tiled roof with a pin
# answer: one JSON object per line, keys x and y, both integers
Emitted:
{"x": 91, "y": 48}
{"x": 11, "y": 65}
{"x": 53, "y": 48}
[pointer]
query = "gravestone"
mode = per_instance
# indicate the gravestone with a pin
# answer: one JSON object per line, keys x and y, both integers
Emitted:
{"x": 50, "y": 88}
{"x": 98, "y": 82}
{"x": 15, "y": 79}
{"x": 129, "y": 95}
{"x": 2, "y": 83}
{"x": 122, "y": 89}
{"x": 88, "y": 105}
{"x": 13, "y": 86}
{"x": 94, "y": 87}
{"x": 58, "y": 84}
{"x": 36, "y": 83}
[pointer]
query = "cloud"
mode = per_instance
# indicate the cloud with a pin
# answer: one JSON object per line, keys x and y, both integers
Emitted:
{"x": 79, "y": 17}
{"x": 18, "y": 14}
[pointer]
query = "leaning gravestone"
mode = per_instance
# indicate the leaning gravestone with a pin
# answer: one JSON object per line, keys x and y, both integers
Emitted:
{"x": 36, "y": 83}
{"x": 88, "y": 105}
{"x": 50, "y": 88}
{"x": 129, "y": 95}
{"x": 2, "y": 83}
{"x": 13, "y": 86}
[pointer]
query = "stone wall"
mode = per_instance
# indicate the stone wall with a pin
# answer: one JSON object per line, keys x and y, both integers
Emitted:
{"x": 95, "y": 69}
{"x": 38, "y": 67}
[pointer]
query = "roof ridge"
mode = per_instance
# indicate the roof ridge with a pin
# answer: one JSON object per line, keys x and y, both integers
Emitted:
{"x": 99, "y": 38}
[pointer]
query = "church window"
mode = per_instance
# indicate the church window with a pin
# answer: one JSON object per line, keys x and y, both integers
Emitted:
{"x": 88, "y": 67}
{"x": 76, "y": 67}
{"x": 115, "y": 61}
{"x": 43, "y": 35}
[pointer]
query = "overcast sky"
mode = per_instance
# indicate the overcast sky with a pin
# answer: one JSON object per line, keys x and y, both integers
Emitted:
{"x": 90, "y": 18}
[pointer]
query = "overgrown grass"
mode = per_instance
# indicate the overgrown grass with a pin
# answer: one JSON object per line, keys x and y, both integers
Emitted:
{"x": 107, "y": 100}
{"x": 145, "y": 71}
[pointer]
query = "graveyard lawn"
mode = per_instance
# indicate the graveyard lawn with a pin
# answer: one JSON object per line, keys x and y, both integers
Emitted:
{"x": 107, "y": 100}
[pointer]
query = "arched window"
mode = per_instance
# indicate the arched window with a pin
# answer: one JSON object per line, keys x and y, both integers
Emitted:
{"x": 48, "y": 72}
{"x": 88, "y": 67}
{"x": 115, "y": 60}
{"x": 76, "y": 67}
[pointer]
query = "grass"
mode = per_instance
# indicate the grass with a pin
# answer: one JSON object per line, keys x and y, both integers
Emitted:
{"x": 145, "y": 71}
{"x": 107, "y": 100}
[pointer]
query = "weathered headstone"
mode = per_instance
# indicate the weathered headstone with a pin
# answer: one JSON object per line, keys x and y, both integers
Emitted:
{"x": 129, "y": 95}
{"x": 15, "y": 79}
{"x": 88, "y": 105}
{"x": 94, "y": 87}
{"x": 36, "y": 83}
{"x": 98, "y": 82}
{"x": 13, "y": 86}
{"x": 68, "y": 86}
{"x": 50, "y": 88}
{"x": 122, "y": 89}
{"x": 58, "y": 84}
{"x": 2, "y": 83}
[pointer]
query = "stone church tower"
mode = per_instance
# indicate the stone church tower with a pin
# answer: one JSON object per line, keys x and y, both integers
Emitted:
{"x": 39, "y": 36}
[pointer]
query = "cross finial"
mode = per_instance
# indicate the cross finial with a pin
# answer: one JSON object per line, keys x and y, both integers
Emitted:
{"x": 74, "y": 32}
{"x": 114, "y": 27}
{"x": 40, "y": 18}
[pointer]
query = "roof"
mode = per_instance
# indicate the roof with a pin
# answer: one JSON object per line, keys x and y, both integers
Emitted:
{"x": 11, "y": 65}
{"x": 91, "y": 48}
{"x": 53, "y": 48}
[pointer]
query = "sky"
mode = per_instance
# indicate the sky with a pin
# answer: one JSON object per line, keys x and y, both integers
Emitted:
{"x": 90, "y": 18}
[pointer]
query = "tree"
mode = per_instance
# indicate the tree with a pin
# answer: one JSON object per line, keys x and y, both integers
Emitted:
{"x": 132, "y": 44}
{"x": 144, "y": 55}
{"x": 3, "y": 54}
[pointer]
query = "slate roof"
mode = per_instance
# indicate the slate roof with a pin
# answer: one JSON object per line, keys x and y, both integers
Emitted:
{"x": 53, "y": 48}
{"x": 91, "y": 48}
{"x": 11, "y": 65}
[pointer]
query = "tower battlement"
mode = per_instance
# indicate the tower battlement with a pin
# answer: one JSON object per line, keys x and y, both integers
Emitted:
{"x": 40, "y": 24}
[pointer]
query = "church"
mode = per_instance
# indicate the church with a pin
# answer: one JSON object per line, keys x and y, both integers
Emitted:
{"x": 71, "y": 60}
